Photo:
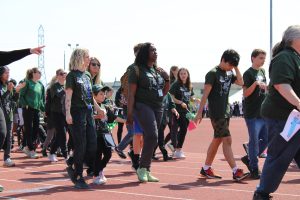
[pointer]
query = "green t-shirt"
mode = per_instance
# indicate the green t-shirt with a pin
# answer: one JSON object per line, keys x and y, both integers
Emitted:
{"x": 284, "y": 69}
{"x": 80, "y": 83}
{"x": 252, "y": 103}
{"x": 150, "y": 86}
{"x": 33, "y": 95}
{"x": 220, "y": 81}
{"x": 182, "y": 93}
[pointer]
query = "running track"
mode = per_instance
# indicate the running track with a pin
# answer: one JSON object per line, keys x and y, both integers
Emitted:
{"x": 39, "y": 179}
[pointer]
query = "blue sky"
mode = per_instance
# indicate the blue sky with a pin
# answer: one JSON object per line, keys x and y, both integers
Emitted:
{"x": 190, "y": 33}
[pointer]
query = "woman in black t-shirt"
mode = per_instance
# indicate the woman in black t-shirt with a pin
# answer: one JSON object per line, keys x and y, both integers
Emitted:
{"x": 182, "y": 93}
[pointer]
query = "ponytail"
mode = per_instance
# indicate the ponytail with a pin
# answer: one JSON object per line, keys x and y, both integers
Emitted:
{"x": 278, "y": 48}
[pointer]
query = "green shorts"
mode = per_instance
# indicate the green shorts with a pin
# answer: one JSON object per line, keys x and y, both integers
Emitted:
{"x": 221, "y": 127}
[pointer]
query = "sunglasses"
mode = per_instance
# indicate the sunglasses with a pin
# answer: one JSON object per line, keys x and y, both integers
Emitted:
{"x": 95, "y": 64}
{"x": 62, "y": 73}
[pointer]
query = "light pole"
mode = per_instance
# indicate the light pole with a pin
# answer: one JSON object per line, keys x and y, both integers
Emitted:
{"x": 70, "y": 46}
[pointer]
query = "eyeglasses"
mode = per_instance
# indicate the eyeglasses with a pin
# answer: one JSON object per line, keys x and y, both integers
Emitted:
{"x": 62, "y": 73}
{"x": 95, "y": 64}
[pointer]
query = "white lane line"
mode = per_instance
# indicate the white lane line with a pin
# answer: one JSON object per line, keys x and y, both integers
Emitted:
{"x": 50, "y": 186}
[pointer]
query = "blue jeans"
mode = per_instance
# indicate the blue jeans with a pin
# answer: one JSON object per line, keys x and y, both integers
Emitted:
{"x": 280, "y": 155}
{"x": 258, "y": 139}
{"x": 127, "y": 139}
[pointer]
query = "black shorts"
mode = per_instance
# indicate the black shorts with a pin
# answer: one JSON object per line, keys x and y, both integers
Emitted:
{"x": 221, "y": 127}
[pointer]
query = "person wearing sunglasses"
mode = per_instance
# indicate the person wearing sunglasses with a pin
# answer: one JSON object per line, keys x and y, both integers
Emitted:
{"x": 57, "y": 95}
{"x": 94, "y": 70}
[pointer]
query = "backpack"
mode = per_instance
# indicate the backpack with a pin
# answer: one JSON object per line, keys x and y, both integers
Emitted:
{"x": 124, "y": 81}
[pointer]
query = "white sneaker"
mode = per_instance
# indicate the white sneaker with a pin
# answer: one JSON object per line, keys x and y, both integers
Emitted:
{"x": 33, "y": 155}
{"x": 9, "y": 163}
{"x": 171, "y": 147}
{"x": 99, "y": 180}
{"x": 101, "y": 174}
{"x": 52, "y": 158}
{"x": 179, "y": 155}
{"x": 26, "y": 151}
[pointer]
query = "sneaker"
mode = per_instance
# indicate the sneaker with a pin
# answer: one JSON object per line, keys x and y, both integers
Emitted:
{"x": 261, "y": 196}
{"x": 33, "y": 155}
{"x": 166, "y": 157}
{"x": 246, "y": 161}
{"x": 26, "y": 151}
{"x": 8, "y": 163}
{"x": 120, "y": 153}
{"x": 80, "y": 183}
{"x": 1, "y": 188}
{"x": 171, "y": 147}
{"x": 52, "y": 158}
{"x": 239, "y": 175}
{"x": 70, "y": 161}
{"x": 99, "y": 180}
{"x": 151, "y": 178}
{"x": 246, "y": 148}
{"x": 101, "y": 174}
{"x": 255, "y": 174}
{"x": 179, "y": 155}
{"x": 89, "y": 172}
{"x": 154, "y": 157}
{"x": 142, "y": 174}
{"x": 209, "y": 173}
{"x": 71, "y": 174}
{"x": 263, "y": 155}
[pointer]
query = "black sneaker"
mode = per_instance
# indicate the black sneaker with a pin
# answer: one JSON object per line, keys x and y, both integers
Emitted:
{"x": 246, "y": 148}
{"x": 166, "y": 157}
{"x": 120, "y": 153}
{"x": 70, "y": 161}
{"x": 255, "y": 174}
{"x": 71, "y": 174}
{"x": 246, "y": 161}
{"x": 261, "y": 196}
{"x": 80, "y": 183}
{"x": 44, "y": 152}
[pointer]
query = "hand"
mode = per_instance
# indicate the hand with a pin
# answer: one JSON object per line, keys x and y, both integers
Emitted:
{"x": 174, "y": 111}
{"x": 198, "y": 118}
{"x": 10, "y": 86}
{"x": 163, "y": 73}
{"x": 262, "y": 85}
{"x": 183, "y": 105}
{"x": 69, "y": 119}
{"x": 37, "y": 50}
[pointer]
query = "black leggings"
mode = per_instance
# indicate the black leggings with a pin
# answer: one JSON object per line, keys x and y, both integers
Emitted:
{"x": 60, "y": 137}
{"x": 2, "y": 127}
{"x": 120, "y": 131}
{"x": 31, "y": 126}
{"x": 103, "y": 155}
{"x": 182, "y": 123}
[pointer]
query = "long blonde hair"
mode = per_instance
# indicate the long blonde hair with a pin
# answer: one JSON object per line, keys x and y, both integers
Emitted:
{"x": 77, "y": 59}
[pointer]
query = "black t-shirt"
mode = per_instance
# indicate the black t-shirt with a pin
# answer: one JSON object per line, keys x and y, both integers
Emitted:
{"x": 57, "y": 92}
{"x": 284, "y": 69}
{"x": 252, "y": 103}
{"x": 220, "y": 81}
{"x": 182, "y": 93}
{"x": 150, "y": 86}
{"x": 80, "y": 83}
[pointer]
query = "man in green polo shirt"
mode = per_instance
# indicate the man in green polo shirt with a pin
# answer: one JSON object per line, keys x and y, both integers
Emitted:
{"x": 255, "y": 87}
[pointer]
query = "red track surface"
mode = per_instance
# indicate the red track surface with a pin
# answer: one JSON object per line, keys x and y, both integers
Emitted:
{"x": 39, "y": 179}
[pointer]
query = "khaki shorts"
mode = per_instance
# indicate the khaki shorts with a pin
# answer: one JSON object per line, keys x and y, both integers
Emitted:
{"x": 221, "y": 127}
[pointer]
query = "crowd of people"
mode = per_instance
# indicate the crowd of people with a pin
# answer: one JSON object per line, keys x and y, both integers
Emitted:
{"x": 80, "y": 113}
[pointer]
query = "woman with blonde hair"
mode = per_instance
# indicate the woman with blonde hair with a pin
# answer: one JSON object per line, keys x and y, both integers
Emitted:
{"x": 79, "y": 115}
{"x": 94, "y": 70}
